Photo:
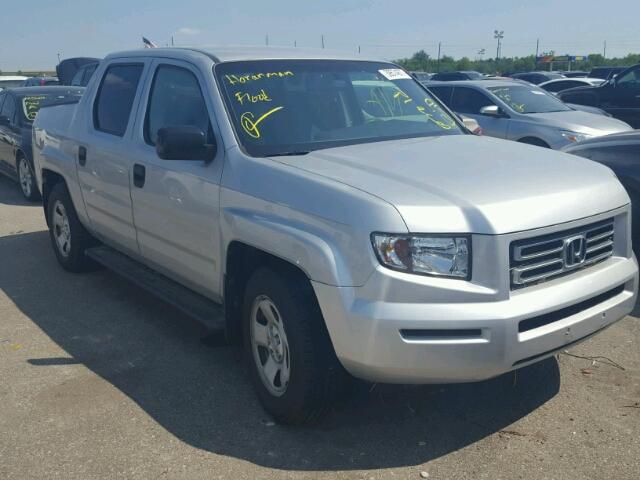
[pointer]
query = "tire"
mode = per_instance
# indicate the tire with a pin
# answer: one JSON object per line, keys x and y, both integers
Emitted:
{"x": 299, "y": 339}
{"x": 68, "y": 237}
{"x": 27, "y": 179}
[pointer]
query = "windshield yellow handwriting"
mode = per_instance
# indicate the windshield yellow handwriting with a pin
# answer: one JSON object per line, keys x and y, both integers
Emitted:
{"x": 31, "y": 106}
{"x": 440, "y": 123}
{"x": 234, "y": 79}
{"x": 250, "y": 126}
{"x": 400, "y": 94}
{"x": 261, "y": 96}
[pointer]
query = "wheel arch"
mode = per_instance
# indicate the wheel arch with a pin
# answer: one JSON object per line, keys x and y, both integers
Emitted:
{"x": 242, "y": 260}
{"x": 529, "y": 140}
{"x": 49, "y": 180}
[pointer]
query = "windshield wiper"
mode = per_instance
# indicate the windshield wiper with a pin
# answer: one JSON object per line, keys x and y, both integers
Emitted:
{"x": 288, "y": 154}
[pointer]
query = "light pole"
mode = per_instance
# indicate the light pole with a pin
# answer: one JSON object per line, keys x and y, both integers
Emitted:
{"x": 498, "y": 35}
{"x": 58, "y": 57}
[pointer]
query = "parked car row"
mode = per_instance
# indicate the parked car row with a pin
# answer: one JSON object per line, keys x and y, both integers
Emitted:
{"x": 334, "y": 216}
{"x": 18, "y": 109}
{"x": 513, "y": 110}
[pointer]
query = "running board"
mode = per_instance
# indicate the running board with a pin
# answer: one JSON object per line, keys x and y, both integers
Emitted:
{"x": 202, "y": 309}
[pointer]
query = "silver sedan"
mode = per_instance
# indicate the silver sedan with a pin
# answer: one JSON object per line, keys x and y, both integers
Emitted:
{"x": 525, "y": 113}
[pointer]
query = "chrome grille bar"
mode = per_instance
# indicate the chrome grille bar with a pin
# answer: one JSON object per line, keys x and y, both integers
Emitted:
{"x": 538, "y": 259}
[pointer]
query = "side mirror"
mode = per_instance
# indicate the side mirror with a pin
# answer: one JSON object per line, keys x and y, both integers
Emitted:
{"x": 4, "y": 121}
{"x": 491, "y": 110}
{"x": 184, "y": 143}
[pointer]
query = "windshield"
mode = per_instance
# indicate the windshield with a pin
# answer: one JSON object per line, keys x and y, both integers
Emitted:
{"x": 10, "y": 83}
{"x": 31, "y": 104}
{"x": 294, "y": 106}
{"x": 528, "y": 99}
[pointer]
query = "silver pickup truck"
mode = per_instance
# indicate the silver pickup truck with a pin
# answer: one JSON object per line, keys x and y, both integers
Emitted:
{"x": 331, "y": 214}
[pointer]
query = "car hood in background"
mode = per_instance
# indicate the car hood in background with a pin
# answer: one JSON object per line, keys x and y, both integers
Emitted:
{"x": 464, "y": 183}
{"x": 580, "y": 121}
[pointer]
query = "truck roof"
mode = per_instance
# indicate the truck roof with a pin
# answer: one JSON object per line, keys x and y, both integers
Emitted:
{"x": 46, "y": 90}
{"x": 229, "y": 53}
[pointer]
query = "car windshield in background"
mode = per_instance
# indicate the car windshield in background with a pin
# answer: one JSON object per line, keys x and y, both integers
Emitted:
{"x": 281, "y": 107}
{"x": 31, "y": 104}
{"x": 10, "y": 83}
{"x": 528, "y": 99}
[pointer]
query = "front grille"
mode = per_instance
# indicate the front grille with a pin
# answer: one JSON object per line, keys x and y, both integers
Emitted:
{"x": 538, "y": 259}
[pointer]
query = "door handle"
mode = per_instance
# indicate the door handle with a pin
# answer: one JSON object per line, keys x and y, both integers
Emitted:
{"x": 82, "y": 156}
{"x": 139, "y": 174}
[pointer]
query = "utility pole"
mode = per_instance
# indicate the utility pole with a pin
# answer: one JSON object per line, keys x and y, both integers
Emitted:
{"x": 322, "y": 39}
{"x": 172, "y": 44}
{"x": 604, "y": 50}
{"x": 498, "y": 35}
{"x": 537, "y": 48}
{"x": 358, "y": 49}
{"x": 58, "y": 57}
{"x": 439, "y": 45}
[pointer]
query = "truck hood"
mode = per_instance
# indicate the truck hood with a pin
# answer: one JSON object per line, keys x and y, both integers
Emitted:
{"x": 470, "y": 184}
{"x": 580, "y": 121}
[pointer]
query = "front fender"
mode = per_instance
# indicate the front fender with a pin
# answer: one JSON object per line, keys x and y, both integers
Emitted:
{"x": 326, "y": 253}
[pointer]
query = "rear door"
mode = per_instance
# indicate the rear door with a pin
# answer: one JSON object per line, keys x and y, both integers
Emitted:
{"x": 9, "y": 135}
{"x": 469, "y": 101}
{"x": 104, "y": 156}
{"x": 176, "y": 202}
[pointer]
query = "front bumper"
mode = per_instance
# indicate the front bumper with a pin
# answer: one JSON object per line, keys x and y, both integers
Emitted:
{"x": 402, "y": 328}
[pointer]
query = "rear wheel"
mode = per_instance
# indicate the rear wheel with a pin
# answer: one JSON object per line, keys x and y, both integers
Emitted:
{"x": 293, "y": 366}
{"x": 27, "y": 180}
{"x": 68, "y": 237}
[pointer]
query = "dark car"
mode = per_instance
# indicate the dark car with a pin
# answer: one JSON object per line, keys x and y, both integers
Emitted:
{"x": 83, "y": 75}
{"x": 68, "y": 68}
{"x": 18, "y": 109}
{"x": 536, "y": 77}
{"x": 620, "y": 96}
{"x": 455, "y": 76}
{"x": 421, "y": 76}
{"x": 41, "y": 82}
{"x": 606, "y": 72}
{"x": 621, "y": 153}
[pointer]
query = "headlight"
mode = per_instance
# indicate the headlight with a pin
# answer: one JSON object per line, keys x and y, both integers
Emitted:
{"x": 574, "y": 137}
{"x": 445, "y": 256}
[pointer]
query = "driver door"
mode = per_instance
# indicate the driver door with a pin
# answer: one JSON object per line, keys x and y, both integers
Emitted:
{"x": 622, "y": 97}
{"x": 469, "y": 101}
{"x": 176, "y": 202}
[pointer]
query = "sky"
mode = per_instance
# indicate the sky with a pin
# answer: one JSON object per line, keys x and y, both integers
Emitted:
{"x": 34, "y": 32}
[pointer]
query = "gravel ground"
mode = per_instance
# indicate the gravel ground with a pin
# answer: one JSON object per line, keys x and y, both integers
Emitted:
{"x": 100, "y": 380}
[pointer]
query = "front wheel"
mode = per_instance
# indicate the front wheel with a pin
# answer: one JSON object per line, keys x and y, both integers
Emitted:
{"x": 293, "y": 366}
{"x": 27, "y": 180}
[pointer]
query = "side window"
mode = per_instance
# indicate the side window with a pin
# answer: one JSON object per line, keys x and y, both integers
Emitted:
{"x": 468, "y": 100}
{"x": 2, "y": 95}
{"x": 630, "y": 79}
{"x": 175, "y": 100}
{"x": 9, "y": 108}
{"x": 443, "y": 94}
{"x": 115, "y": 97}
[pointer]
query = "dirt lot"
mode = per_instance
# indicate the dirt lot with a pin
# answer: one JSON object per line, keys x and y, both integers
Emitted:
{"x": 100, "y": 380}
